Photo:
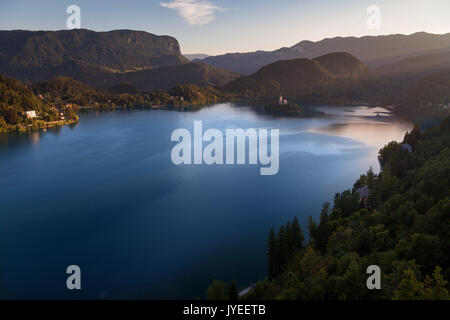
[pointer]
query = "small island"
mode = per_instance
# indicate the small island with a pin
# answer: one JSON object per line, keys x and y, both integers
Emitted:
{"x": 283, "y": 106}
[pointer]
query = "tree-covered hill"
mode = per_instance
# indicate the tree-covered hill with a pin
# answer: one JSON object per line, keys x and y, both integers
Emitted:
{"x": 334, "y": 78}
{"x": 343, "y": 64}
{"x": 16, "y": 99}
{"x": 413, "y": 68}
{"x": 401, "y": 224}
{"x": 161, "y": 78}
{"x": 103, "y": 59}
{"x": 14, "y": 94}
{"x": 281, "y": 77}
{"x": 164, "y": 78}
{"x": 55, "y": 101}
{"x": 374, "y": 51}
{"x": 120, "y": 50}
{"x": 63, "y": 90}
{"x": 426, "y": 98}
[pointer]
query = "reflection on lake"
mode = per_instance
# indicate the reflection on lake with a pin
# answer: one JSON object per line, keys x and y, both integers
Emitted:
{"x": 105, "y": 195}
{"x": 370, "y": 126}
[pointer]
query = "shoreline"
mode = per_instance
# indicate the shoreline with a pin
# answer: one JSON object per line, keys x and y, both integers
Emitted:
{"x": 306, "y": 111}
{"x": 38, "y": 126}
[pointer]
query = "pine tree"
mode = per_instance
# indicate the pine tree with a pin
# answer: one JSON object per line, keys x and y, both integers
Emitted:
{"x": 325, "y": 212}
{"x": 372, "y": 185}
{"x": 289, "y": 246}
{"x": 296, "y": 236}
{"x": 324, "y": 229}
{"x": 233, "y": 293}
{"x": 283, "y": 249}
{"x": 435, "y": 286}
{"x": 413, "y": 136}
{"x": 272, "y": 254}
{"x": 409, "y": 288}
{"x": 370, "y": 179}
{"x": 312, "y": 226}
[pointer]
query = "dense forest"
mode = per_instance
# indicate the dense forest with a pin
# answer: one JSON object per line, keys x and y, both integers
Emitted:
{"x": 16, "y": 99}
{"x": 429, "y": 97}
{"x": 398, "y": 219}
{"x": 333, "y": 79}
{"x": 56, "y": 101}
{"x": 63, "y": 90}
{"x": 103, "y": 59}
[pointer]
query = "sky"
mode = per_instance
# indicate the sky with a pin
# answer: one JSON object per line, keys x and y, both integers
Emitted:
{"x": 220, "y": 26}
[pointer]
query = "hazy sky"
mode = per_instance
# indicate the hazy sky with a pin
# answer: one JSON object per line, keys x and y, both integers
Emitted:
{"x": 220, "y": 26}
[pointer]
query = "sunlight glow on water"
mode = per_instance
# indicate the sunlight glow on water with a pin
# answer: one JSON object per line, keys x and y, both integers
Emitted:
{"x": 106, "y": 196}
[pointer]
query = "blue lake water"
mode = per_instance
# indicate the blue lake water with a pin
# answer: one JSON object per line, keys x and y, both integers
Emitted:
{"x": 106, "y": 196}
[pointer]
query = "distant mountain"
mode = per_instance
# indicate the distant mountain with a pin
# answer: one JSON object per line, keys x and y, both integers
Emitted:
{"x": 329, "y": 77}
{"x": 426, "y": 98}
{"x": 374, "y": 51}
{"x": 163, "y": 78}
{"x": 167, "y": 77}
{"x": 196, "y": 56}
{"x": 120, "y": 50}
{"x": 411, "y": 69}
{"x": 103, "y": 59}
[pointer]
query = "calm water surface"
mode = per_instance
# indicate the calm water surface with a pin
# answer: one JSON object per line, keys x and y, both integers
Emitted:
{"x": 105, "y": 195}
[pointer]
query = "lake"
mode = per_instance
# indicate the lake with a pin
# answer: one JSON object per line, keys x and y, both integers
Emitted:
{"x": 105, "y": 195}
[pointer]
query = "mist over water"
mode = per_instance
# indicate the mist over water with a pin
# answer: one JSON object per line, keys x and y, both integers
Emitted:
{"x": 106, "y": 196}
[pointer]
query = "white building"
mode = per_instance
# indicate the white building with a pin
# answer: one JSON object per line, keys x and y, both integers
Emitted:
{"x": 31, "y": 114}
{"x": 282, "y": 101}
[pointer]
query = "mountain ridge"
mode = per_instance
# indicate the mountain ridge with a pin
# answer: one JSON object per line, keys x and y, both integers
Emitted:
{"x": 308, "y": 80}
{"x": 103, "y": 59}
{"x": 374, "y": 51}
{"x": 117, "y": 49}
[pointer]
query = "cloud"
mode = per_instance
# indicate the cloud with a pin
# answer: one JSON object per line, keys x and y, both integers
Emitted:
{"x": 195, "y": 12}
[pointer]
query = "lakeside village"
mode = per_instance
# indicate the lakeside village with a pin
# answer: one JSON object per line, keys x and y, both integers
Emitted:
{"x": 58, "y": 115}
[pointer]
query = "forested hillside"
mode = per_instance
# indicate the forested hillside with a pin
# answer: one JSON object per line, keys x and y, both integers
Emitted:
{"x": 103, "y": 59}
{"x": 426, "y": 98}
{"x": 374, "y": 51}
{"x": 337, "y": 78}
{"x": 119, "y": 50}
{"x": 16, "y": 99}
{"x": 63, "y": 90}
{"x": 402, "y": 224}
{"x": 55, "y": 101}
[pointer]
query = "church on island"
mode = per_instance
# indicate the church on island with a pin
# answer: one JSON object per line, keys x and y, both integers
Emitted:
{"x": 282, "y": 101}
